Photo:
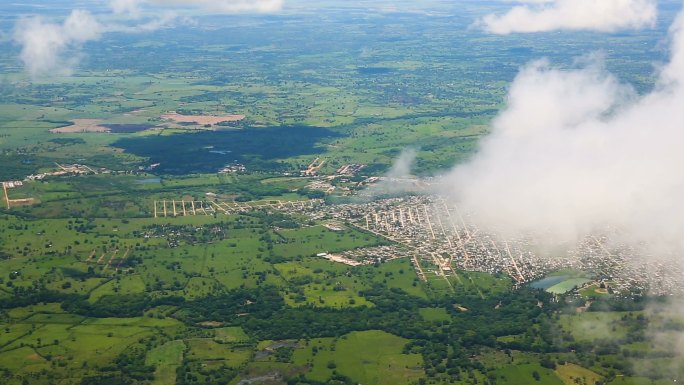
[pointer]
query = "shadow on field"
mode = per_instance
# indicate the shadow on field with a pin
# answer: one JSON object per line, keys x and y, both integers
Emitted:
{"x": 199, "y": 152}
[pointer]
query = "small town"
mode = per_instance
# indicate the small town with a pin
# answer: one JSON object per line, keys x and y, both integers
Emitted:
{"x": 439, "y": 239}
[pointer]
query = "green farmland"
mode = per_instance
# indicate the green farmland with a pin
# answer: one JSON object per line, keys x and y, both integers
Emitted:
{"x": 171, "y": 210}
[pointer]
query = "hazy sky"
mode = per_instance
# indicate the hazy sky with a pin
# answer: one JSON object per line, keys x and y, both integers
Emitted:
{"x": 51, "y": 45}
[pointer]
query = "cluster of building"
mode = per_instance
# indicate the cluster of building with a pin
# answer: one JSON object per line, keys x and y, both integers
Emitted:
{"x": 629, "y": 267}
{"x": 341, "y": 182}
{"x": 149, "y": 168}
{"x": 439, "y": 239}
{"x": 312, "y": 169}
{"x": 321, "y": 185}
{"x": 10, "y": 202}
{"x": 349, "y": 169}
{"x": 69, "y": 169}
{"x": 233, "y": 168}
{"x": 12, "y": 184}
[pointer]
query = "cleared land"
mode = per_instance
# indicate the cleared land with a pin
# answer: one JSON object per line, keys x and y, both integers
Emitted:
{"x": 82, "y": 125}
{"x": 572, "y": 374}
{"x": 202, "y": 119}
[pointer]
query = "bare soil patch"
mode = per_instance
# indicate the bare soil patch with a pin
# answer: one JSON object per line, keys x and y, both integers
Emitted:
{"x": 202, "y": 119}
{"x": 81, "y": 125}
{"x": 211, "y": 323}
{"x": 97, "y": 125}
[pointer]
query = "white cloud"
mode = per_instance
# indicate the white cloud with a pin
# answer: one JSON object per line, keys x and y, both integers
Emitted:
{"x": 127, "y": 7}
{"x": 575, "y": 151}
{"x": 550, "y": 15}
{"x": 47, "y": 47}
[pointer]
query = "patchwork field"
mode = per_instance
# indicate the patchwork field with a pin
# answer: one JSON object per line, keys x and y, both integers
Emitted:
{"x": 97, "y": 289}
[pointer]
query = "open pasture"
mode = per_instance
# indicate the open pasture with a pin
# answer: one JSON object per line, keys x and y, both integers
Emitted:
{"x": 370, "y": 357}
{"x": 74, "y": 342}
{"x": 592, "y": 326}
{"x": 166, "y": 359}
{"x": 571, "y": 373}
{"x": 525, "y": 374}
{"x": 568, "y": 285}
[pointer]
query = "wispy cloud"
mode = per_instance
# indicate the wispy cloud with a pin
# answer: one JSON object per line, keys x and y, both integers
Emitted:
{"x": 398, "y": 179}
{"x": 55, "y": 49}
{"x": 550, "y": 15}
{"x": 48, "y": 47}
{"x": 126, "y": 7}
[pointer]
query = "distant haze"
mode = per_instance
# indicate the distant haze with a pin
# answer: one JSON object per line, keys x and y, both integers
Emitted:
{"x": 228, "y": 5}
{"x": 50, "y": 48}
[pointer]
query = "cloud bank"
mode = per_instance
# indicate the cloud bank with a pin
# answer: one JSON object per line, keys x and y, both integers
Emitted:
{"x": 576, "y": 151}
{"x": 551, "y": 15}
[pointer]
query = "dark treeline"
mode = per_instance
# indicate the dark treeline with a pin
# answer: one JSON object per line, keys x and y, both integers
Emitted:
{"x": 447, "y": 346}
{"x": 31, "y": 296}
{"x": 127, "y": 305}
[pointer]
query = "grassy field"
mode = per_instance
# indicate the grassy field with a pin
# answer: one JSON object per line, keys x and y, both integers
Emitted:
{"x": 568, "y": 285}
{"x": 32, "y": 344}
{"x": 570, "y": 374}
{"x": 525, "y": 374}
{"x": 434, "y": 314}
{"x": 399, "y": 274}
{"x": 210, "y": 350}
{"x": 595, "y": 325}
{"x": 230, "y": 334}
{"x": 371, "y": 357}
{"x": 166, "y": 358}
